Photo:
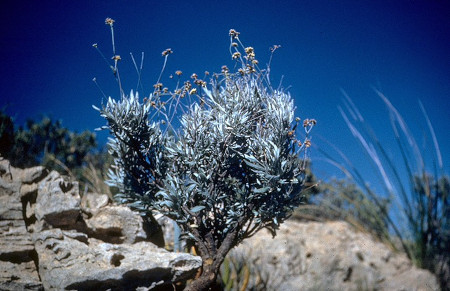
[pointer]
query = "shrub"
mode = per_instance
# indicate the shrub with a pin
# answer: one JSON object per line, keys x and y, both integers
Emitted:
{"x": 232, "y": 168}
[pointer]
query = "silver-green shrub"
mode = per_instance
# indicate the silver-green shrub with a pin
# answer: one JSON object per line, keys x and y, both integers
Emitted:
{"x": 138, "y": 148}
{"x": 233, "y": 167}
{"x": 236, "y": 164}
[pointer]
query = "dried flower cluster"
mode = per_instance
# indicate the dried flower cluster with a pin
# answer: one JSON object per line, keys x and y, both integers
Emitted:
{"x": 109, "y": 21}
{"x": 166, "y": 52}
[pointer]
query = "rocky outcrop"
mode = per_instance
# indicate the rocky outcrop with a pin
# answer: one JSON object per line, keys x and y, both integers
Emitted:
{"x": 329, "y": 256}
{"x": 17, "y": 254}
{"x": 52, "y": 239}
{"x": 71, "y": 260}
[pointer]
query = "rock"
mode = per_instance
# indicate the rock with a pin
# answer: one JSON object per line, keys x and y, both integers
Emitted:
{"x": 47, "y": 233}
{"x": 5, "y": 170}
{"x": 70, "y": 263}
{"x": 10, "y": 204}
{"x": 58, "y": 201}
{"x": 91, "y": 202}
{"x": 27, "y": 190}
{"x": 30, "y": 175}
{"x": 50, "y": 238}
{"x": 169, "y": 229}
{"x": 19, "y": 276}
{"x": 330, "y": 256}
{"x": 17, "y": 266}
{"x": 117, "y": 224}
{"x": 25, "y": 176}
{"x": 15, "y": 241}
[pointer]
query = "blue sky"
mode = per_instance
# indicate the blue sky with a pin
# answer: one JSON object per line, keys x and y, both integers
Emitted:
{"x": 400, "y": 47}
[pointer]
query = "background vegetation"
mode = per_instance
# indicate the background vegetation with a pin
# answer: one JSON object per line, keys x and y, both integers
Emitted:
{"x": 410, "y": 208}
{"x": 50, "y": 144}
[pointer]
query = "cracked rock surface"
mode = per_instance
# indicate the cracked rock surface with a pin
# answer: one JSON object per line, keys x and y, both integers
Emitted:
{"x": 330, "y": 256}
{"x": 53, "y": 239}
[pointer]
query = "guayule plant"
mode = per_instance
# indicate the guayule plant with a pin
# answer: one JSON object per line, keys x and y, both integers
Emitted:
{"x": 233, "y": 167}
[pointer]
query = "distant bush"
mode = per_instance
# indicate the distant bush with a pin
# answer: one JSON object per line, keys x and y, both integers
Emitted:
{"x": 41, "y": 143}
{"x": 55, "y": 147}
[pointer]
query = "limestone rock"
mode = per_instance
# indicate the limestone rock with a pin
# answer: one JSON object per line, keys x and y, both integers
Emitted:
{"x": 15, "y": 241}
{"x": 30, "y": 175}
{"x": 10, "y": 204}
{"x": 19, "y": 276}
{"x": 117, "y": 224}
{"x": 58, "y": 201}
{"x": 70, "y": 263}
{"x": 91, "y": 202}
{"x": 47, "y": 234}
{"x": 330, "y": 256}
{"x": 17, "y": 267}
{"x": 5, "y": 170}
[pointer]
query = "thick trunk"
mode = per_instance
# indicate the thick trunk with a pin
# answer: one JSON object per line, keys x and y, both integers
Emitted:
{"x": 206, "y": 279}
{"x": 212, "y": 260}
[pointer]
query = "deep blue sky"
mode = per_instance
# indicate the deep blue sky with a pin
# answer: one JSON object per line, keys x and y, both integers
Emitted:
{"x": 399, "y": 47}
